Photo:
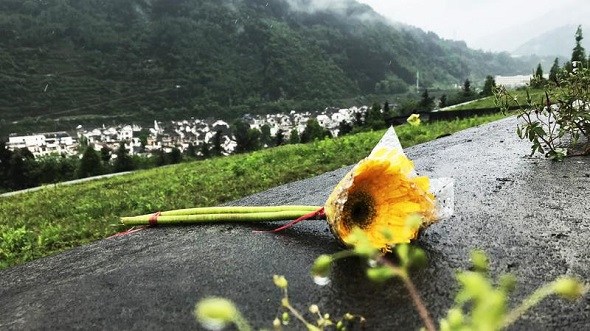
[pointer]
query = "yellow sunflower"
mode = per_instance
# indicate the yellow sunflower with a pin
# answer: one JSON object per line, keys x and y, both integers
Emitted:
{"x": 414, "y": 119}
{"x": 378, "y": 196}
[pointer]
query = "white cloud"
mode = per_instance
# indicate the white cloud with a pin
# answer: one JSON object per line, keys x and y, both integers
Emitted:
{"x": 472, "y": 20}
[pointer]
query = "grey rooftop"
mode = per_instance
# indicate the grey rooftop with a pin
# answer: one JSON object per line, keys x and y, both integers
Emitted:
{"x": 530, "y": 215}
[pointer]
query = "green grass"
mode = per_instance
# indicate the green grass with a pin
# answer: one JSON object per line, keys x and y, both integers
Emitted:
{"x": 490, "y": 102}
{"x": 53, "y": 219}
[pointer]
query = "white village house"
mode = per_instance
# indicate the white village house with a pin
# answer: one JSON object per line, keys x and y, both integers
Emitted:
{"x": 42, "y": 144}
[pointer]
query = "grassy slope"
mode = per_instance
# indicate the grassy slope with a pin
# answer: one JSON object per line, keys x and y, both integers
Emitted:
{"x": 490, "y": 102}
{"x": 44, "y": 222}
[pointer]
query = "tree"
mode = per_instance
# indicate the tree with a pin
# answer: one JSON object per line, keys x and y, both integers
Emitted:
{"x": 407, "y": 107}
{"x": 578, "y": 53}
{"x": 5, "y": 156}
{"x": 247, "y": 139}
{"x": 205, "y": 151}
{"x": 427, "y": 102}
{"x": 374, "y": 118}
{"x": 175, "y": 156}
{"x": 265, "y": 137}
{"x": 358, "y": 119}
{"x": 488, "y": 86}
{"x": 90, "y": 164}
{"x": 467, "y": 88}
{"x": 539, "y": 71}
{"x": 160, "y": 158}
{"x": 83, "y": 143}
{"x": 538, "y": 81}
{"x": 386, "y": 114}
{"x": 294, "y": 137}
{"x": 279, "y": 138}
{"x": 18, "y": 176}
{"x": 217, "y": 149}
{"x": 123, "y": 162}
{"x": 391, "y": 85}
{"x": 554, "y": 70}
{"x": 105, "y": 154}
{"x": 344, "y": 128}
{"x": 442, "y": 101}
{"x": 373, "y": 114}
{"x": 313, "y": 131}
{"x": 191, "y": 150}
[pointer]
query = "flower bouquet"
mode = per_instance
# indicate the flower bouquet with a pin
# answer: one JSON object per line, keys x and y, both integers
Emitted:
{"x": 382, "y": 196}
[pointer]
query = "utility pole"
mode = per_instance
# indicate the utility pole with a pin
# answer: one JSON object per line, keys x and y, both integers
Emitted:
{"x": 417, "y": 81}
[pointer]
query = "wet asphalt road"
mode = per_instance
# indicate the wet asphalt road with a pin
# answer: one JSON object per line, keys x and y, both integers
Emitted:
{"x": 531, "y": 215}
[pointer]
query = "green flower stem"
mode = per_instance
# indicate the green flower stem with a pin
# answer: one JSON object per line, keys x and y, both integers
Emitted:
{"x": 235, "y": 210}
{"x": 416, "y": 299}
{"x": 537, "y": 296}
{"x": 217, "y": 217}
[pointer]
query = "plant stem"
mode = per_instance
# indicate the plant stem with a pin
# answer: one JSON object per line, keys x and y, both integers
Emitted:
{"x": 416, "y": 299}
{"x": 540, "y": 294}
{"x": 428, "y": 323}
{"x": 236, "y": 209}
{"x": 215, "y": 217}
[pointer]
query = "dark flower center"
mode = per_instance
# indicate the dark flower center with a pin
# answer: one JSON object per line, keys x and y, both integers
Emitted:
{"x": 359, "y": 210}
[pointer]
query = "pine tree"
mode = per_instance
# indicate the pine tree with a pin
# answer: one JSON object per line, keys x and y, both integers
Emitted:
{"x": 539, "y": 71}
{"x": 175, "y": 156}
{"x": 386, "y": 112}
{"x": 90, "y": 164}
{"x": 217, "y": 149}
{"x": 442, "y": 101}
{"x": 427, "y": 102}
{"x": 579, "y": 54}
{"x": 488, "y": 86}
{"x": 5, "y": 156}
{"x": 265, "y": 137}
{"x": 123, "y": 162}
{"x": 205, "y": 151}
{"x": 294, "y": 137}
{"x": 374, "y": 118}
{"x": 279, "y": 138}
{"x": 467, "y": 88}
{"x": 191, "y": 150}
{"x": 537, "y": 80}
{"x": 344, "y": 128}
{"x": 160, "y": 158}
{"x": 19, "y": 166}
{"x": 105, "y": 154}
{"x": 554, "y": 70}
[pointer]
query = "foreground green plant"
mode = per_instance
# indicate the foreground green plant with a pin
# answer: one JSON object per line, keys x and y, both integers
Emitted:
{"x": 479, "y": 303}
{"x": 555, "y": 122}
{"x": 216, "y": 313}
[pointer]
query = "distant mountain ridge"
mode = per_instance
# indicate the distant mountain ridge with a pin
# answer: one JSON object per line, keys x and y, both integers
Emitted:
{"x": 557, "y": 42}
{"x": 223, "y": 58}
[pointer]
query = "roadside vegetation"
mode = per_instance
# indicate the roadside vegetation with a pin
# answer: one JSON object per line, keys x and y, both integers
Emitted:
{"x": 44, "y": 222}
{"x": 491, "y": 101}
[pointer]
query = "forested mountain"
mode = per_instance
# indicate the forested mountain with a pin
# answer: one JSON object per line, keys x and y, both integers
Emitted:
{"x": 63, "y": 58}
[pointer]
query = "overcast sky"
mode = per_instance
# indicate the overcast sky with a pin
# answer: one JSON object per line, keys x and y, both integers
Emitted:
{"x": 474, "y": 20}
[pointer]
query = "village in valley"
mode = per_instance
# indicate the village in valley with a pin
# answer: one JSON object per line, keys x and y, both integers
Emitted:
{"x": 181, "y": 134}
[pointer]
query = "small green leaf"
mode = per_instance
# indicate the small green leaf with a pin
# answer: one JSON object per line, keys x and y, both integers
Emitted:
{"x": 380, "y": 274}
{"x": 479, "y": 260}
